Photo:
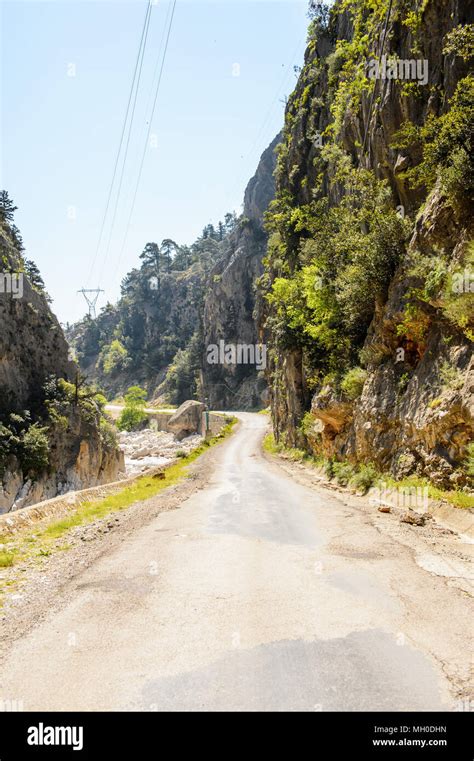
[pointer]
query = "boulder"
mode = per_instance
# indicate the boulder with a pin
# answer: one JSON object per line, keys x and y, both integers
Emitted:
{"x": 412, "y": 518}
{"x": 187, "y": 419}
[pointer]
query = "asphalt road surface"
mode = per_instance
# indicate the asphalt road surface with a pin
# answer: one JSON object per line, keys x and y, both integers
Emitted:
{"x": 258, "y": 593}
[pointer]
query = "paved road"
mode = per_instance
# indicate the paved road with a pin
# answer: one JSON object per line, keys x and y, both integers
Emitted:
{"x": 257, "y": 593}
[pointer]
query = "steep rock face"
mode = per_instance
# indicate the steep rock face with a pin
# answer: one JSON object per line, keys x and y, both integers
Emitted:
{"x": 231, "y": 304}
{"x": 409, "y": 419}
{"x": 33, "y": 350}
{"x": 415, "y": 411}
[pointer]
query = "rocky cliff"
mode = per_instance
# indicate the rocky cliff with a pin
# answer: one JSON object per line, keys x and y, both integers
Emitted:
{"x": 53, "y": 436}
{"x": 157, "y": 337}
{"x": 370, "y": 278}
{"x": 231, "y": 306}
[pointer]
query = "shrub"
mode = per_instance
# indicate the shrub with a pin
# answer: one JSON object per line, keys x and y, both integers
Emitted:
{"x": 308, "y": 425}
{"x": 450, "y": 377}
{"x": 364, "y": 478}
{"x": 108, "y": 434}
{"x": 133, "y": 414}
{"x": 113, "y": 357}
{"x": 343, "y": 472}
{"x": 34, "y": 454}
{"x": 446, "y": 144}
{"x": 329, "y": 469}
{"x": 353, "y": 382}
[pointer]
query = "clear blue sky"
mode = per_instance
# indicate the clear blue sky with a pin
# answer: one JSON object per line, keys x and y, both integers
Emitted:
{"x": 60, "y": 133}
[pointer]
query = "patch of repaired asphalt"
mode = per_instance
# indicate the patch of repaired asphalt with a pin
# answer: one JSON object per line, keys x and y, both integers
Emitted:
{"x": 364, "y": 671}
{"x": 451, "y": 568}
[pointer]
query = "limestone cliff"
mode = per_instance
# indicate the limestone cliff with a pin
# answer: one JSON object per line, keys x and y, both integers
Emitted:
{"x": 371, "y": 350}
{"x": 231, "y": 305}
{"x": 52, "y": 438}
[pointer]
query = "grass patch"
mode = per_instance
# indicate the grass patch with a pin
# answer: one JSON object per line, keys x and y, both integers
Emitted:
{"x": 270, "y": 445}
{"x": 362, "y": 477}
{"x": 455, "y": 497}
{"x": 6, "y": 559}
{"x": 290, "y": 453}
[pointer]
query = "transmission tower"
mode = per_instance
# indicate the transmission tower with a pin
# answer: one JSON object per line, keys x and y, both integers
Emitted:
{"x": 91, "y": 300}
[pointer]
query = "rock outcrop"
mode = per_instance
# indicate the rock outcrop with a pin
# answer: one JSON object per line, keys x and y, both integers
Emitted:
{"x": 414, "y": 413}
{"x": 231, "y": 307}
{"x": 187, "y": 419}
{"x": 50, "y": 442}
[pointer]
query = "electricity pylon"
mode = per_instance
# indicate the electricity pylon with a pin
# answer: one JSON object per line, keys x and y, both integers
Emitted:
{"x": 91, "y": 302}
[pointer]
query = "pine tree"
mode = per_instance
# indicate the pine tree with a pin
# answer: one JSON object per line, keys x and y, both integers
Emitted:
{"x": 152, "y": 257}
{"x": 7, "y": 207}
{"x": 34, "y": 275}
{"x": 167, "y": 248}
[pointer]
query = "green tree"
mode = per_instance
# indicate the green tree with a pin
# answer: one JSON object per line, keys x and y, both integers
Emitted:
{"x": 7, "y": 207}
{"x": 34, "y": 455}
{"x": 34, "y": 276}
{"x": 167, "y": 249}
{"x": 114, "y": 357}
{"x": 133, "y": 413}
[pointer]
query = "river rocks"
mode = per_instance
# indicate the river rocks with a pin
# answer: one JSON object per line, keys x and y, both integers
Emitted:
{"x": 187, "y": 419}
{"x": 149, "y": 448}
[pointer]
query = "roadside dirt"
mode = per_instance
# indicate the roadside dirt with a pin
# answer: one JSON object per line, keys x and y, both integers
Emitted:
{"x": 38, "y": 584}
{"x": 435, "y": 548}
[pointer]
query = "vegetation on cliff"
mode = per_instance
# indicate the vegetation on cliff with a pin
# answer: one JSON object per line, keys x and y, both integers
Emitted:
{"x": 46, "y": 409}
{"x": 369, "y": 272}
{"x": 153, "y": 335}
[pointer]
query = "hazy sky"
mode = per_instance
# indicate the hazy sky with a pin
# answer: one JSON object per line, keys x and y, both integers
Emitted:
{"x": 66, "y": 74}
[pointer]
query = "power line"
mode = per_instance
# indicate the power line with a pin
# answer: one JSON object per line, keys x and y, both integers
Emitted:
{"x": 117, "y": 199}
{"x": 146, "y": 138}
{"x": 132, "y": 86}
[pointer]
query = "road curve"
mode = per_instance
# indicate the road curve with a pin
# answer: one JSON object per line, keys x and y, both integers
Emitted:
{"x": 258, "y": 593}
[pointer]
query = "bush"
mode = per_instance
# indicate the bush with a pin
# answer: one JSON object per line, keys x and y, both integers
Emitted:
{"x": 451, "y": 377}
{"x": 133, "y": 414}
{"x": 34, "y": 454}
{"x": 353, "y": 382}
{"x": 343, "y": 472}
{"x": 113, "y": 357}
{"x": 329, "y": 469}
{"x": 108, "y": 434}
{"x": 364, "y": 478}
